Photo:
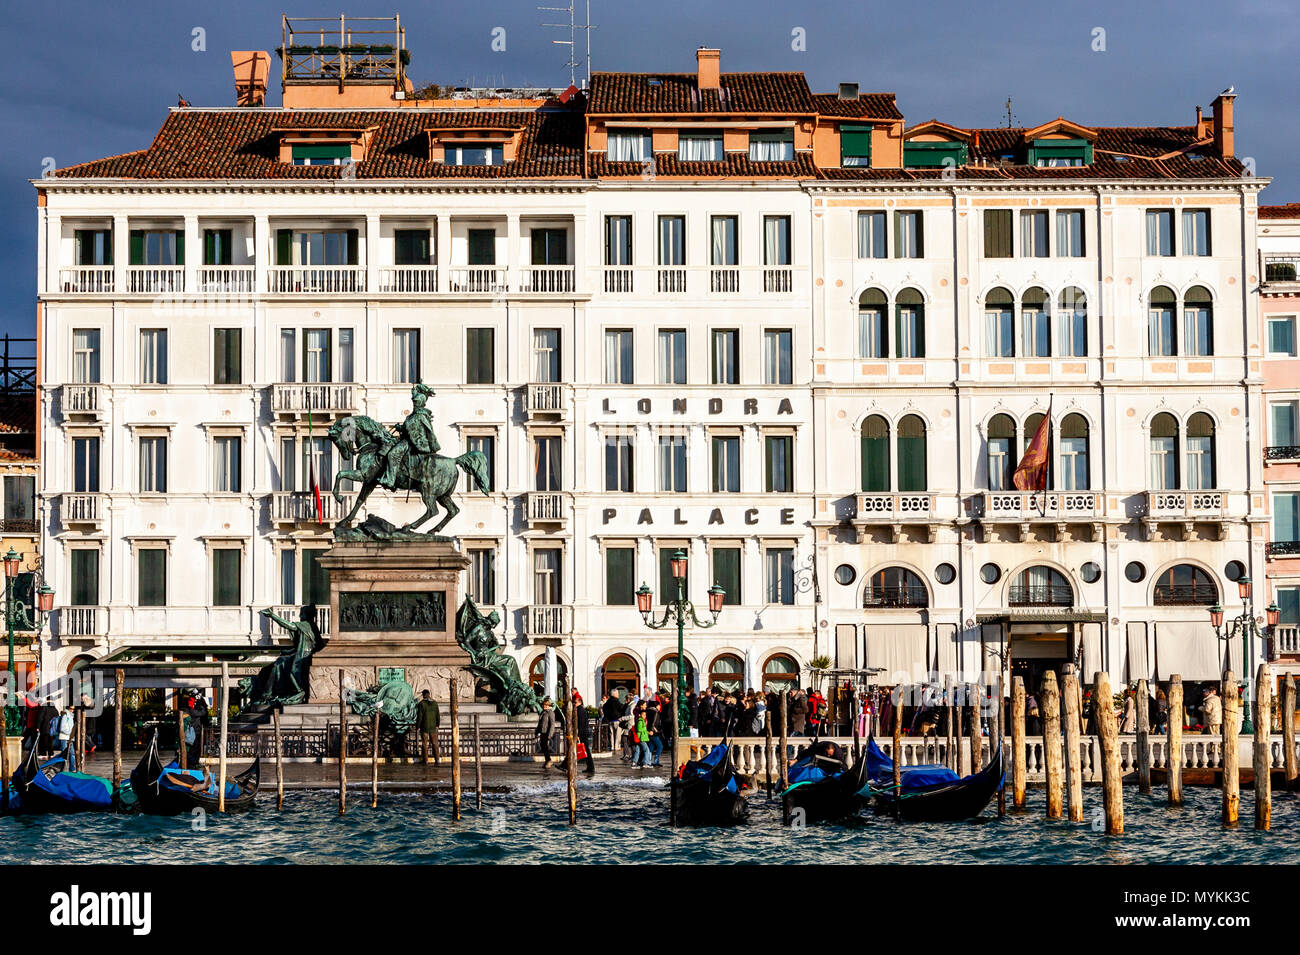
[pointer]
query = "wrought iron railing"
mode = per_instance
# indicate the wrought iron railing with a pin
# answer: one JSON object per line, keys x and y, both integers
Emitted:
{"x": 1040, "y": 595}
{"x": 900, "y": 596}
{"x": 1184, "y": 595}
{"x": 1282, "y": 452}
{"x": 1282, "y": 549}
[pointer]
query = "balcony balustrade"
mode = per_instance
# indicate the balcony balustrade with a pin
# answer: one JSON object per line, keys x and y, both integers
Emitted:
{"x": 325, "y": 397}
{"x": 86, "y": 278}
{"x": 317, "y": 279}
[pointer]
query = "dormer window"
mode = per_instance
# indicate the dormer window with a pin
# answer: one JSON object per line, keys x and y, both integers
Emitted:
{"x": 478, "y": 154}
{"x": 1060, "y": 152}
{"x": 700, "y": 147}
{"x": 772, "y": 146}
{"x": 322, "y": 154}
{"x": 628, "y": 145}
{"x": 929, "y": 155}
{"x": 855, "y": 145}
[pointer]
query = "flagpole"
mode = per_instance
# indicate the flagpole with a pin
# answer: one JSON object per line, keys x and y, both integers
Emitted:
{"x": 1042, "y": 507}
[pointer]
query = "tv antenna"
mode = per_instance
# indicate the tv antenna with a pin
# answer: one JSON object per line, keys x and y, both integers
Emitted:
{"x": 1010, "y": 119}
{"x": 573, "y": 27}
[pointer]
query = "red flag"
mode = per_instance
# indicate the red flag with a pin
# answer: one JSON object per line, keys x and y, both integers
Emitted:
{"x": 1031, "y": 472}
{"x": 311, "y": 470}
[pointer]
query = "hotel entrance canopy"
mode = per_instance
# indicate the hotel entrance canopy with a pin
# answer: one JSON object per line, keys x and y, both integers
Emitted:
{"x": 181, "y": 667}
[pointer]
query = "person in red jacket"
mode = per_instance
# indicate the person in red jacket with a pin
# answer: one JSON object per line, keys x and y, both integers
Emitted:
{"x": 816, "y": 711}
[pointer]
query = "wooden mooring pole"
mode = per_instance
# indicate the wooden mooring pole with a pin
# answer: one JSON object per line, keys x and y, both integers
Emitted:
{"x": 1231, "y": 752}
{"x": 1174, "y": 741}
{"x": 1288, "y": 731}
{"x": 279, "y": 760}
{"x": 1263, "y": 741}
{"x": 1073, "y": 761}
{"x": 571, "y": 757}
{"x": 976, "y": 728}
{"x": 1049, "y": 705}
{"x": 1018, "y": 774}
{"x": 478, "y": 765}
{"x": 343, "y": 746}
{"x": 374, "y": 760}
{"x": 225, "y": 730}
{"x": 1108, "y": 739}
{"x": 455, "y": 752}
{"x": 1143, "y": 738}
{"x": 119, "y": 681}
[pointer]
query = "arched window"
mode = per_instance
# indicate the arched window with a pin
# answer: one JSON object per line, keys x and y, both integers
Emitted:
{"x": 1031, "y": 429}
{"x": 1185, "y": 585}
{"x": 1164, "y": 452}
{"x": 875, "y": 454}
{"x": 667, "y": 673}
{"x": 1074, "y": 453}
{"x": 1001, "y": 443}
{"x": 727, "y": 672}
{"x": 911, "y": 453}
{"x": 895, "y": 587}
{"x": 999, "y": 324}
{"x": 1200, "y": 452}
{"x": 621, "y": 675}
{"x": 1160, "y": 321}
{"x": 1035, "y": 324}
{"x": 873, "y": 324}
{"x": 537, "y": 675}
{"x": 909, "y": 324}
{"x": 1198, "y": 321}
{"x": 1041, "y": 587}
{"x": 780, "y": 673}
{"x": 1072, "y": 323}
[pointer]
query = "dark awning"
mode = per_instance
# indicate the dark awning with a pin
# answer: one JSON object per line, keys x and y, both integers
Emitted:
{"x": 181, "y": 667}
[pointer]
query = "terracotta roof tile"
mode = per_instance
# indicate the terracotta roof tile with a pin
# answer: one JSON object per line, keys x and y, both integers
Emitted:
{"x": 733, "y": 166}
{"x": 1289, "y": 211}
{"x": 662, "y": 93}
{"x": 866, "y": 106}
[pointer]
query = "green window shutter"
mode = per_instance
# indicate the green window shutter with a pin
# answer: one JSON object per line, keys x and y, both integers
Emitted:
{"x": 137, "y": 247}
{"x": 726, "y": 573}
{"x": 284, "y": 247}
{"x": 855, "y": 143}
{"x": 619, "y": 576}
{"x": 323, "y": 151}
{"x": 354, "y": 236}
{"x": 667, "y": 583}
{"x": 216, "y": 246}
{"x": 931, "y": 155}
{"x": 153, "y": 578}
{"x": 911, "y": 457}
{"x": 997, "y": 233}
{"x": 875, "y": 454}
{"x": 180, "y": 247}
{"x": 480, "y": 362}
{"x": 108, "y": 247}
{"x": 225, "y": 578}
{"x": 209, "y": 247}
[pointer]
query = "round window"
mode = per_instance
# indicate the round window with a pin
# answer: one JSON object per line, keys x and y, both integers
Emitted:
{"x": 990, "y": 573}
{"x": 945, "y": 573}
{"x": 1235, "y": 570}
{"x": 845, "y": 574}
{"x": 1135, "y": 572}
{"x": 1090, "y": 572}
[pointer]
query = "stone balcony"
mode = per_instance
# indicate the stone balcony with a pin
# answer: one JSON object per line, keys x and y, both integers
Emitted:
{"x": 296, "y": 399}
{"x": 546, "y": 509}
{"x": 84, "y": 401}
{"x": 545, "y": 623}
{"x": 83, "y": 509}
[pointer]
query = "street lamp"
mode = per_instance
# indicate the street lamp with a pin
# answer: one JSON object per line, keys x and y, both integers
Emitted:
{"x": 16, "y": 617}
{"x": 676, "y": 612}
{"x": 1245, "y": 625}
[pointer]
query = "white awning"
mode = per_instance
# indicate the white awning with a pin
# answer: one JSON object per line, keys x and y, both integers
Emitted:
{"x": 1139, "y": 667}
{"x": 1191, "y": 650}
{"x": 897, "y": 648}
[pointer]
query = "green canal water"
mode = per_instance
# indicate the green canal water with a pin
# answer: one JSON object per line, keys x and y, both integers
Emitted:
{"x": 624, "y": 821}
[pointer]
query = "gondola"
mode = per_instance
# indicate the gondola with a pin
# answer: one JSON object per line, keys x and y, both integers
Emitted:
{"x": 54, "y": 786}
{"x": 169, "y": 790}
{"x": 707, "y": 792}
{"x": 819, "y": 789}
{"x": 932, "y": 793}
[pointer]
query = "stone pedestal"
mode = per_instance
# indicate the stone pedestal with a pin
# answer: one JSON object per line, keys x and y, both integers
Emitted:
{"x": 393, "y": 605}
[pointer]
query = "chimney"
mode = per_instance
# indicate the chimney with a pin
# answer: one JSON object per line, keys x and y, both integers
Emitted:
{"x": 1223, "y": 123}
{"x": 251, "y": 70}
{"x": 848, "y": 91}
{"x": 708, "y": 65}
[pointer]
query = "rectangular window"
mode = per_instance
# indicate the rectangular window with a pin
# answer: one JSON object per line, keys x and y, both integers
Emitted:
{"x": 672, "y": 240}
{"x": 317, "y": 463}
{"x": 151, "y": 577}
{"x": 1288, "y": 602}
{"x": 93, "y": 246}
{"x": 547, "y": 462}
{"x": 546, "y": 354}
{"x": 1196, "y": 232}
{"x": 1164, "y": 462}
{"x": 618, "y": 356}
{"x": 1282, "y": 425}
{"x": 412, "y": 247}
{"x": 779, "y": 563}
{"x": 20, "y": 501}
{"x": 486, "y": 444}
{"x": 871, "y": 235}
{"x": 618, "y": 240}
{"x": 288, "y": 576}
{"x": 485, "y": 155}
{"x": 84, "y": 574}
{"x": 1160, "y": 329}
{"x": 85, "y": 464}
{"x": 1281, "y": 336}
{"x": 289, "y": 468}
{"x": 157, "y": 247}
{"x": 345, "y": 355}
{"x": 85, "y": 356}
{"x": 1200, "y": 462}
{"x": 672, "y": 464}
{"x": 218, "y": 247}
{"x": 997, "y": 233}
{"x": 700, "y": 147}
{"x": 618, "y": 462}
{"x": 1001, "y": 464}
{"x": 871, "y": 332}
{"x": 480, "y": 356}
{"x": 547, "y": 581}
{"x": 549, "y": 246}
{"x": 855, "y": 145}
{"x": 909, "y": 235}
{"x": 1069, "y": 233}
{"x": 315, "y": 579}
{"x": 288, "y": 354}
{"x": 620, "y": 576}
{"x": 406, "y": 355}
{"x": 726, "y": 573}
{"x": 482, "y": 246}
{"x": 227, "y": 464}
{"x": 999, "y": 342}
{"x": 722, "y": 241}
{"x": 775, "y": 146}
{"x": 482, "y": 584}
{"x": 671, "y": 357}
{"x": 331, "y": 247}
{"x": 1286, "y": 517}
{"x": 778, "y": 463}
{"x": 725, "y": 351}
{"x": 1035, "y": 329}
{"x": 226, "y": 571}
{"x": 321, "y": 154}
{"x": 153, "y": 356}
{"x": 227, "y": 356}
{"x": 316, "y": 354}
{"x": 1160, "y": 232}
{"x": 909, "y": 331}
{"x": 1198, "y": 333}
{"x": 153, "y": 464}
{"x": 726, "y": 463}
{"x": 1033, "y": 234}
{"x": 776, "y": 240}
{"x": 1072, "y": 327}
{"x": 778, "y": 368}
{"x": 628, "y": 145}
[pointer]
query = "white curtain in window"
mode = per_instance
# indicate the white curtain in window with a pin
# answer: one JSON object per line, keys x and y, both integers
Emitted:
{"x": 1069, "y": 233}
{"x": 1196, "y": 331}
{"x": 776, "y": 240}
{"x": 288, "y": 354}
{"x": 771, "y": 147}
{"x": 780, "y": 575}
{"x": 153, "y": 356}
{"x": 672, "y": 464}
{"x": 345, "y": 354}
{"x": 698, "y": 148}
{"x": 909, "y": 332}
{"x": 1074, "y": 464}
{"x": 1035, "y": 341}
{"x": 998, "y": 332}
{"x": 724, "y": 357}
{"x": 871, "y": 333}
{"x": 1200, "y": 462}
{"x": 406, "y": 355}
{"x": 618, "y": 357}
{"x": 672, "y": 240}
{"x": 776, "y": 358}
{"x": 1196, "y": 232}
{"x": 546, "y": 354}
{"x": 672, "y": 357}
{"x": 318, "y": 462}
{"x": 85, "y": 356}
{"x": 1033, "y": 234}
{"x": 226, "y": 451}
{"x": 1164, "y": 463}
{"x": 1161, "y": 327}
{"x": 153, "y": 464}
{"x": 722, "y": 244}
{"x": 546, "y": 463}
{"x": 618, "y": 240}
{"x": 871, "y": 235}
{"x": 628, "y": 147}
{"x": 316, "y": 357}
{"x": 546, "y": 576}
{"x": 288, "y": 576}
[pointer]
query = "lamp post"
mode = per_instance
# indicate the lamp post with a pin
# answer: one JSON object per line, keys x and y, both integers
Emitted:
{"x": 16, "y": 616}
{"x": 676, "y": 612}
{"x": 1245, "y": 625}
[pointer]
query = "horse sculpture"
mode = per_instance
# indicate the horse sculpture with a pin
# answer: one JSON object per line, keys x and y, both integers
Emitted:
{"x": 434, "y": 476}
